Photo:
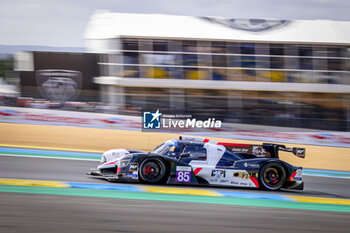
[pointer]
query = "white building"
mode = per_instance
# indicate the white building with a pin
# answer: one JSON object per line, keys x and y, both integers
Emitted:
{"x": 250, "y": 71}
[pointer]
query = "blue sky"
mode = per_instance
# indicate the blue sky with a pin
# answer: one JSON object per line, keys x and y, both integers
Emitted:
{"x": 62, "y": 23}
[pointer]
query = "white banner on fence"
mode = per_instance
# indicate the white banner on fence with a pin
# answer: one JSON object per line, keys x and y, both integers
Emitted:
{"x": 68, "y": 118}
{"x": 110, "y": 121}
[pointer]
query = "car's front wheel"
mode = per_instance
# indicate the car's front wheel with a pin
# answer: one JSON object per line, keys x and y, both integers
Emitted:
{"x": 152, "y": 170}
{"x": 272, "y": 176}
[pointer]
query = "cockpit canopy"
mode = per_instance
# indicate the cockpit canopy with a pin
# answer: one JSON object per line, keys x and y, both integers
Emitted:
{"x": 194, "y": 150}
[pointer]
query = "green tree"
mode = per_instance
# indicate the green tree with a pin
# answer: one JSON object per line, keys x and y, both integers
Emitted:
{"x": 5, "y": 64}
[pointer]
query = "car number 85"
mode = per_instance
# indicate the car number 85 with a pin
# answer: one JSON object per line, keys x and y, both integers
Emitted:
{"x": 183, "y": 176}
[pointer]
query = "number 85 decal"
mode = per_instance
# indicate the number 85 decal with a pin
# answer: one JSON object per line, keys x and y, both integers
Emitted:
{"x": 183, "y": 176}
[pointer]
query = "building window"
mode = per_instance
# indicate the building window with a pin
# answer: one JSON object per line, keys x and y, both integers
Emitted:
{"x": 276, "y": 49}
{"x": 191, "y": 73}
{"x": 262, "y": 49}
{"x": 204, "y": 60}
{"x": 291, "y": 62}
{"x": 335, "y": 64}
{"x": 305, "y": 50}
{"x": 319, "y": 51}
{"x": 276, "y": 62}
{"x": 218, "y": 47}
{"x": 335, "y": 52}
{"x": 131, "y": 58}
{"x": 219, "y": 61}
{"x": 305, "y": 63}
{"x": 247, "y": 48}
{"x": 233, "y": 48}
{"x": 291, "y": 50}
{"x": 248, "y": 61}
{"x": 145, "y": 45}
{"x": 130, "y": 44}
{"x": 234, "y": 61}
{"x": 160, "y": 45}
{"x": 190, "y": 60}
{"x": 175, "y": 45}
{"x": 189, "y": 46}
{"x": 262, "y": 62}
{"x": 320, "y": 63}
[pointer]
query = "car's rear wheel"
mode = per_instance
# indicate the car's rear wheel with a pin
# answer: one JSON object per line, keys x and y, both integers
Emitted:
{"x": 152, "y": 170}
{"x": 272, "y": 176}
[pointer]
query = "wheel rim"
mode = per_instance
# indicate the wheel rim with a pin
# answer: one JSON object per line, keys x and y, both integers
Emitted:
{"x": 273, "y": 176}
{"x": 151, "y": 170}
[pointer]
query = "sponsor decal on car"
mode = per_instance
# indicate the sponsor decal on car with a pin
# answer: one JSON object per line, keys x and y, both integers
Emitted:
{"x": 133, "y": 176}
{"x": 218, "y": 173}
{"x": 183, "y": 174}
{"x": 242, "y": 175}
{"x": 134, "y": 167}
{"x": 259, "y": 151}
{"x": 252, "y": 165}
{"x": 224, "y": 181}
{"x": 240, "y": 150}
{"x": 300, "y": 152}
{"x": 298, "y": 176}
{"x": 253, "y": 174}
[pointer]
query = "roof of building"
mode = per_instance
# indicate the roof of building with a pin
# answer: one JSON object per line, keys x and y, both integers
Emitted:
{"x": 104, "y": 25}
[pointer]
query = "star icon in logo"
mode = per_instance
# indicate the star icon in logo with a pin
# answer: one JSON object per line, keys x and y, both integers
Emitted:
{"x": 156, "y": 115}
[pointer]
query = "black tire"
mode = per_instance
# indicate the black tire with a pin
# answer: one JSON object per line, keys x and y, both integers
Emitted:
{"x": 152, "y": 170}
{"x": 272, "y": 176}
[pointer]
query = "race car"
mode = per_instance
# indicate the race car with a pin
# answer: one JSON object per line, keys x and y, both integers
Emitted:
{"x": 199, "y": 161}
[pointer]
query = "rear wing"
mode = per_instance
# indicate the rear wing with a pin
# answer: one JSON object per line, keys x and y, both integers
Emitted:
{"x": 300, "y": 152}
{"x": 266, "y": 150}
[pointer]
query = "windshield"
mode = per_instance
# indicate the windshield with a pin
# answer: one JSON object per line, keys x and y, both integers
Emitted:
{"x": 166, "y": 148}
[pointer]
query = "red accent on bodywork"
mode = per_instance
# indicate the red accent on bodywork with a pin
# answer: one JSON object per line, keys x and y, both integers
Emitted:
{"x": 197, "y": 170}
{"x": 292, "y": 176}
{"x": 206, "y": 140}
{"x": 233, "y": 144}
{"x": 255, "y": 181}
{"x": 118, "y": 170}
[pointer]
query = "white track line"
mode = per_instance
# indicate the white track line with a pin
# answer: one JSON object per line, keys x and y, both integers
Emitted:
{"x": 339, "y": 177}
{"x": 48, "y": 157}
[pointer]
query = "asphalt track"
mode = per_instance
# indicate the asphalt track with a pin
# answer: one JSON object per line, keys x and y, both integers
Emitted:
{"x": 53, "y": 213}
{"x": 50, "y": 213}
{"x": 75, "y": 171}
